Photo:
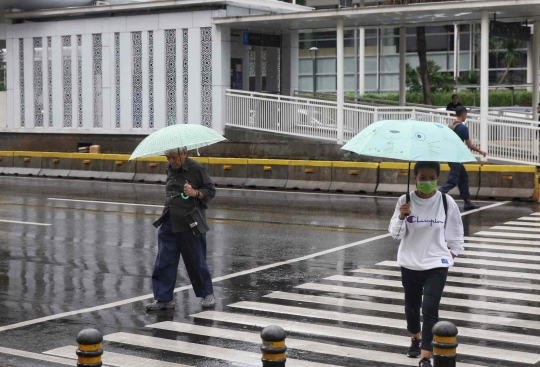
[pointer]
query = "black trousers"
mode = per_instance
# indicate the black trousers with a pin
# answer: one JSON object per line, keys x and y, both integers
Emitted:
{"x": 429, "y": 283}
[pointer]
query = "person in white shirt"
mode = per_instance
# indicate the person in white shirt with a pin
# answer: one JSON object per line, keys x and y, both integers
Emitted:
{"x": 431, "y": 234}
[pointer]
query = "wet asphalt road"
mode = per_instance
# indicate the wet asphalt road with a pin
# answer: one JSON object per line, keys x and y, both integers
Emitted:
{"x": 95, "y": 254}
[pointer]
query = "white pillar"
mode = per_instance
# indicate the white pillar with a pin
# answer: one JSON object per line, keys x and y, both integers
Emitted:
{"x": 535, "y": 67}
{"x": 362, "y": 63}
{"x": 457, "y": 47}
{"x": 484, "y": 81}
{"x": 340, "y": 81}
{"x": 402, "y": 66}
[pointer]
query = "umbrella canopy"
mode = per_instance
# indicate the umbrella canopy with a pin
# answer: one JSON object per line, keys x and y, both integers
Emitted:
{"x": 410, "y": 140}
{"x": 176, "y": 136}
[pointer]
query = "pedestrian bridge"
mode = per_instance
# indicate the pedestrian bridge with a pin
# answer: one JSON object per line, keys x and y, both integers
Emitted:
{"x": 509, "y": 139}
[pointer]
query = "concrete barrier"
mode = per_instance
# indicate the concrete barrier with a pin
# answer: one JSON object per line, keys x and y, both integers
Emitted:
{"x": 6, "y": 162}
{"x": 228, "y": 171}
{"x": 55, "y": 164}
{"x": 356, "y": 177}
{"x": 473, "y": 170}
{"x": 151, "y": 169}
{"x": 86, "y": 165}
{"x": 310, "y": 175}
{"x": 393, "y": 178}
{"x": 118, "y": 167}
{"x": 507, "y": 182}
{"x": 26, "y": 163}
{"x": 202, "y": 160}
{"x": 272, "y": 173}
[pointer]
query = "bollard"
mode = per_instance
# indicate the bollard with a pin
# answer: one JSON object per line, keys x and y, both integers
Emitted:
{"x": 89, "y": 351}
{"x": 273, "y": 346}
{"x": 444, "y": 344}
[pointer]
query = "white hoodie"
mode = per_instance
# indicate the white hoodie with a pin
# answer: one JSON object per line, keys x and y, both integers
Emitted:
{"x": 425, "y": 243}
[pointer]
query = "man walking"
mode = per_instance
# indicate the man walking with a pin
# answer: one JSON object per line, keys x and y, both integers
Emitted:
{"x": 188, "y": 187}
{"x": 458, "y": 174}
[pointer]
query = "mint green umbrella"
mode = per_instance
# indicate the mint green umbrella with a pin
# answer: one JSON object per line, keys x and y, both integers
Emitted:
{"x": 176, "y": 136}
{"x": 410, "y": 140}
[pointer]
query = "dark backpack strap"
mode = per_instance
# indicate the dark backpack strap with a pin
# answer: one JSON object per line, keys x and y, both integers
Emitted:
{"x": 445, "y": 205}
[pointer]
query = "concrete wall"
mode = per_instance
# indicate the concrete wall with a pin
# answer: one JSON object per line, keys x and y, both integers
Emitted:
{"x": 3, "y": 109}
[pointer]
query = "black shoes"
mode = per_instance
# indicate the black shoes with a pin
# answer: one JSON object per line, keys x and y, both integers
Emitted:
{"x": 469, "y": 205}
{"x": 425, "y": 362}
{"x": 415, "y": 348}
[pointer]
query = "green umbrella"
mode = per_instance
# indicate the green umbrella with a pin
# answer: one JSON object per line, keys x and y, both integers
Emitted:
{"x": 410, "y": 140}
{"x": 176, "y": 136}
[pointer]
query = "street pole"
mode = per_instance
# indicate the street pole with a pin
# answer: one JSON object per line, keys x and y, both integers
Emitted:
{"x": 340, "y": 82}
{"x": 484, "y": 81}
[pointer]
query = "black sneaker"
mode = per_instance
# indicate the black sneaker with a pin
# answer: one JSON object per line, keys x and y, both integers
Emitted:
{"x": 415, "y": 348}
{"x": 425, "y": 362}
{"x": 469, "y": 205}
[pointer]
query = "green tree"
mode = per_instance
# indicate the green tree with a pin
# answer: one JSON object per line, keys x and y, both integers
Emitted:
{"x": 439, "y": 82}
{"x": 511, "y": 55}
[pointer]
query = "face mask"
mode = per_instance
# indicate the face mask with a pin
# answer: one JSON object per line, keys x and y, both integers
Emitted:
{"x": 426, "y": 187}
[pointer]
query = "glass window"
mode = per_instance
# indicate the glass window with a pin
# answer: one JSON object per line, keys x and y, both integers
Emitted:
{"x": 390, "y": 82}
{"x": 389, "y": 45}
{"x": 371, "y": 82}
{"x": 326, "y": 83}
{"x": 305, "y": 83}
{"x": 350, "y": 83}
{"x": 371, "y": 64}
{"x": 305, "y": 66}
{"x": 439, "y": 42}
{"x": 349, "y": 65}
{"x": 326, "y": 66}
{"x": 389, "y": 63}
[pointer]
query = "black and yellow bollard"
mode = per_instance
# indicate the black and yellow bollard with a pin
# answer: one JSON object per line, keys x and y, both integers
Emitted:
{"x": 273, "y": 346}
{"x": 444, "y": 344}
{"x": 89, "y": 352}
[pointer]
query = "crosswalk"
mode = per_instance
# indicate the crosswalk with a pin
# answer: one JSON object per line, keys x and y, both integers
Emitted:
{"x": 356, "y": 318}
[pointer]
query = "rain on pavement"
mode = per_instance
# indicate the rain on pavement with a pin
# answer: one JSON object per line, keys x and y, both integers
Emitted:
{"x": 77, "y": 254}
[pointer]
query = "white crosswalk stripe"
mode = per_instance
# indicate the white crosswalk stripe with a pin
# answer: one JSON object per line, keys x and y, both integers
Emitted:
{"x": 486, "y": 246}
{"x": 494, "y": 306}
{"x": 521, "y": 228}
{"x": 505, "y": 241}
{"x": 385, "y": 307}
{"x": 474, "y": 281}
{"x": 505, "y": 234}
{"x": 354, "y": 334}
{"x": 491, "y": 293}
{"x": 536, "y": 213}
{"x": 447, "y": 288}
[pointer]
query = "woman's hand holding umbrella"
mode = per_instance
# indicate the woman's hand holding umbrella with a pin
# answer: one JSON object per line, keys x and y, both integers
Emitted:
{"x": 405, "y": 211}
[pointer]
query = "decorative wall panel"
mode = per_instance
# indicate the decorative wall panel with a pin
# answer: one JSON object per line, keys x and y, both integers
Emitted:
{"x": 21, "y": 79}
{"x": 67, "y": 81}
{"x": 206, "y": 76}
{"x": 97, "y": 77}
{"x": 117, "y": 77}
{"x": 38, "y": 82}
{"x": 49, "y": 81}
{"x": 151, "y": 79}
{"x": 136, "y": 77}
{"x": 185, "y": 75}
{"x": 170, "y": 76}
{"x": 79, "y": 81}
{"x": 264, "y": 67}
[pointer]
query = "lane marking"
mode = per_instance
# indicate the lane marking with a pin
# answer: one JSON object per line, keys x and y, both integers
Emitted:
{"x": 394, "y": 308}
{"x": 343, "y": 333}
{"x": 502, "y": 247}
{"x": 115, "y": 359}
{"x": 447, "y": 289}
{"x": 305, "y": 345}
{"x": 399, "y": 296}
{"x": 509, "y": 228}
{"x": 396, "y": 324}
{"x": 505, "y": 234}
{"x": 218, "y": 279}
{"x": 476, "y": 271}
{"x": 500, "y": 255}
{"x": 37, "y": 356}
{"x": 201, "y": 350}
{"x": 106, "y": 202}
{"x": 473, "y": 281}
{"x": 29, "y": 223}
{"x": 500, "y": 240}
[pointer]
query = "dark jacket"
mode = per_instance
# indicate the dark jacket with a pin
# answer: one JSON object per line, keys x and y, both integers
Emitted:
{"x": 196, "y": 175}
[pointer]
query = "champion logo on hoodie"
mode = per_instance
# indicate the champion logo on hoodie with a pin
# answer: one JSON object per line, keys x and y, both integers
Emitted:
{"x": 412, "y": 219}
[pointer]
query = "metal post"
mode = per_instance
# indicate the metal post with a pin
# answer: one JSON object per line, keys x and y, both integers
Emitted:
{"x": 90, "y": 348}
{"x": 444, "y": 344}
{"x": 362, "y": 62}
{"x": 457, "y": 47}
{"x": 484, "y": 81}
{"x": 314, "y": 75}
{"x": 273, "y": 346}
{"x": 535, "y": 69}
{"x": 357, "y": 81}
{"x": 402, "y": 66}
{"x": 340, "y": 81}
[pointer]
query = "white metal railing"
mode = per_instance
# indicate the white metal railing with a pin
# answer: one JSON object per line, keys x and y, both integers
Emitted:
{"x": 509, "y": 139}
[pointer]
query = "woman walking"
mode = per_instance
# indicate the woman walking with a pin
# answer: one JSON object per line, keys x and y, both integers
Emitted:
{"x": 429, "y": 226}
